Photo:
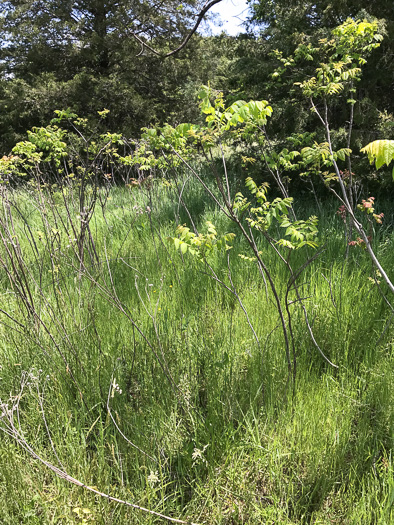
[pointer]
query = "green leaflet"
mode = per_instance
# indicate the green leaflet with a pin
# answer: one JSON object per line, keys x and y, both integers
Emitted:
{"x": 381, "y": 152}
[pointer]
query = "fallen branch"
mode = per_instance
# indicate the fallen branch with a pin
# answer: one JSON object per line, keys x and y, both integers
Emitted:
{"x": 8, "y": 426}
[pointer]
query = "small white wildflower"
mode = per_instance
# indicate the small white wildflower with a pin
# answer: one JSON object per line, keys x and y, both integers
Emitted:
{"x": 115, "y": 388}
{"x": 198, "y": 455}
{"x": 153, "y": 478}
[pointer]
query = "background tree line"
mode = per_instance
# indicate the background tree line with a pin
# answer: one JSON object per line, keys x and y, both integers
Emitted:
{"x": 87, "y": 55}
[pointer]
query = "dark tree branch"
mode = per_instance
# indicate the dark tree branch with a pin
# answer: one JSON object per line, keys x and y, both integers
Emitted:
{"x": 200, "y": 17}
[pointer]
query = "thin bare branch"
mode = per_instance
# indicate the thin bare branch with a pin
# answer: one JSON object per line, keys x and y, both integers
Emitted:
{"x": 200, "y": 18}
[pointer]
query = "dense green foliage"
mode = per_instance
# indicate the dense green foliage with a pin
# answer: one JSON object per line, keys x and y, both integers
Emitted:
{"x": 283, "y": 25}
{"x": 196, "y": 321}
{"x": 83, "y": 55}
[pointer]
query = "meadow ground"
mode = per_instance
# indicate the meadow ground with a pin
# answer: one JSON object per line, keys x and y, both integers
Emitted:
{"x": 144, "y": 380}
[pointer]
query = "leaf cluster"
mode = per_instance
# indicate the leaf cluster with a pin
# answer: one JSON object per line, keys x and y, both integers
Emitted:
{"x": 201, "y": 245}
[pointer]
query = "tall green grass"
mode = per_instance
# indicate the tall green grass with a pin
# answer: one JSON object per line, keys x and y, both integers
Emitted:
{"x": 225, "y": 440}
